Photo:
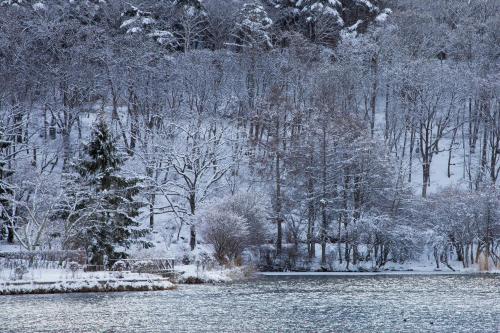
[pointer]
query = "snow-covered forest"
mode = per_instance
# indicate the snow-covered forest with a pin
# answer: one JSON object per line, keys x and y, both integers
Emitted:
{"x": 287, "y": 134}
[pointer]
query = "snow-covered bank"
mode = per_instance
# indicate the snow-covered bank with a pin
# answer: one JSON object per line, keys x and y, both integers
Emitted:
{"x": 43, "y": 281}
{"x": 189, "y": 274}
{"x": 69, "y": 286}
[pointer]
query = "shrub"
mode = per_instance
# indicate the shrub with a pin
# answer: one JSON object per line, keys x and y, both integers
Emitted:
{"x": 207, "y": 261}
{"x": 19, "y": 271}
{"x": 186, "y": 260}
{"x": 227, "y": 232}
{"x": 251, "y": 208}
{"x": 73, "y": 267}
{"x": 119, "y": 266}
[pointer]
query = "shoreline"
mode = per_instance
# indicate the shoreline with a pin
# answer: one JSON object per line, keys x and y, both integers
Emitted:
{"x": 381, "y": 273}
{"x": 83, "y": 286}
{"x": 33, "y": 287}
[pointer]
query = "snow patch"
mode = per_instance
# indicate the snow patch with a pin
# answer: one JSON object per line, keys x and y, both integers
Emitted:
{"x": 39, "y": 6}
{"x": 382, "y": 17}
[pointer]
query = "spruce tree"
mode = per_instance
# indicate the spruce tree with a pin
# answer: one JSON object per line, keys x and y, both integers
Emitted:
{"x": 107, "y": 198}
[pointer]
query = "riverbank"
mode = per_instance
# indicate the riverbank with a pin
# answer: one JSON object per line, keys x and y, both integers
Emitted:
{"x": 190, "y": 274}
{"x": 424, "y": 267}
{"x": 44, "y": 281}
{"x": 71, "y": 286}
{"x": 380, "y": 273}
{"x": 155, "y": 283}
{"x": 48, "y": 281}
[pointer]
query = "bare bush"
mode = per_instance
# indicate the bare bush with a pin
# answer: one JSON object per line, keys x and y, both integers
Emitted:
{"x": 119, "y": 266}
{"x": 19, "y": 272}
{"x": 251, "y": 208}
{"x": 227, "y": 232}
{"x": 73, "y": 267}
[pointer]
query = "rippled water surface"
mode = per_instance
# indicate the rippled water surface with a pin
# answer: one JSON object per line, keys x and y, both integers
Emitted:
{"x": 272, "y": 304}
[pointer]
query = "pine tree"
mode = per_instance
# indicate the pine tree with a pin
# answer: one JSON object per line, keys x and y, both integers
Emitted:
{"x": 252, "y": 29}
{"x": 106, "y": 198}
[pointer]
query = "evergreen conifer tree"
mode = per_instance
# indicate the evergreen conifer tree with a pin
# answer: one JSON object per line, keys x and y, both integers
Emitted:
{"x": 106, "y": 198}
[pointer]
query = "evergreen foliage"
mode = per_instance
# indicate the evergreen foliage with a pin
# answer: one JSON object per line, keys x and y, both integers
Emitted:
{"x": 107, "y": 199}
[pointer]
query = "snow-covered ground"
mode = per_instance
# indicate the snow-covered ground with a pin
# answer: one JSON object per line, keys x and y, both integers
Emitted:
{"x": 439, "y": 178}
{"x": 47, "y": 275}
{"x": 220, "y": 274}
{"x": 60, "y": 280}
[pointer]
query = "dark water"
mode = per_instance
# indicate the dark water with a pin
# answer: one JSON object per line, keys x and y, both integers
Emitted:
{"x": 272, "y": 304}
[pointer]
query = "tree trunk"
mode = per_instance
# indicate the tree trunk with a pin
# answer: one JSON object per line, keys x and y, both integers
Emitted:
{"x": 373, "y": 97}
{"x": 311, "y": 246}
{"x": 451, "y": 149}
{"x": 340, "y": 239}
{"x": 466, "y": 256}
{"x": 347, "y": 255}
{"x": 386, "y": 131}
{"x": 412, "y": 146}
{"x": 66, "y": 142}
{"x": 425, "y": 177}
{"x": 323, "y": 232}
{"x": 192, "y": 205}
{"x": 279, "y": 235}
{"x": 355, "y": 254}
{"x": 279, "y": 220}
{"x": 324, "y": 223}
{"x": 436, "y": 257}
{"x": 134, "y": 121}
{"x": 10, "y": 234}
{"x": 151, "y": 210}
{"x": 192, "y": 240}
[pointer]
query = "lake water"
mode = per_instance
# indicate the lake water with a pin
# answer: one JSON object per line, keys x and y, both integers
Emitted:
{"x": 272, "y": 304}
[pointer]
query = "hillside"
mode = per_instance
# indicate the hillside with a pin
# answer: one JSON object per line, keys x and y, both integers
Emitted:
{"x": 307, "y": 134}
